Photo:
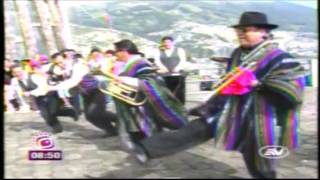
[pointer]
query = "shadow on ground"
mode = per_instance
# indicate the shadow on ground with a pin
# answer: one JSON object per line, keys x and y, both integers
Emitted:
{"x": 181, "y": 165}
{"x": 72, "y": 131}
{"x": 184, "y": 165}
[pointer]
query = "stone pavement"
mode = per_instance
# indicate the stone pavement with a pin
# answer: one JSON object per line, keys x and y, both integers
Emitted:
{"x": 87, "y": 155}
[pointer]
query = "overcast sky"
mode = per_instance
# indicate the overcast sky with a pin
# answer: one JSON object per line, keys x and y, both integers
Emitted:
{"x": 308, "y": 3}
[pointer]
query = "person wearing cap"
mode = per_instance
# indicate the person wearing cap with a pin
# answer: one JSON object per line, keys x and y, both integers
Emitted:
{"x": 161, "y": 109}
{"x": 244, "y": 116}
{"x": 44, "y": 62}
{"x": 36, "y": 69}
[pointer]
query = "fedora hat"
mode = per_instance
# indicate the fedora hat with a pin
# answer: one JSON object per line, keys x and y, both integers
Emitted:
{"x": 254, "y": 19}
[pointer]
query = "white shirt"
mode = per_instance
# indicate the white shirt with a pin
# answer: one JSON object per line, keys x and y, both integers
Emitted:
{"x": 39, "y": 80}
{"x": 181, "y": 53}
{"x": 131, "y": 81}
{"x": 46, "y": 67}
{"x": 80, "y": 69}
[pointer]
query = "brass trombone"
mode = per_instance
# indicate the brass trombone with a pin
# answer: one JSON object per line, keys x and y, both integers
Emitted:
{"x": 120, "y": 90}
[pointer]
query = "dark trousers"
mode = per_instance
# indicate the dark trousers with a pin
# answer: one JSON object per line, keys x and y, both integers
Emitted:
{"x": 94, "y": 103}
{"x": 32, "y": 102}
{"x": 177, "y": 86}
{"x": 15, "y": 104}
{"x": 170, "y": 142}
{"x": 75, "y": 101}
{"x": 198, "y": 132}
{"x": 257, "y": 166}
{"x": 50, "y": 106}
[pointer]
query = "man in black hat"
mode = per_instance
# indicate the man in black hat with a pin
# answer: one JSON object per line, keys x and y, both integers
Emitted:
{"x": 157, "y": 109}
{"x": 243, "y": 116}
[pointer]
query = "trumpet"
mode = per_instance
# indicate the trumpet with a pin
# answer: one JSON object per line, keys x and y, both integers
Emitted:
{"x": 248, "y": 62}
{"x": 120, "y": 90}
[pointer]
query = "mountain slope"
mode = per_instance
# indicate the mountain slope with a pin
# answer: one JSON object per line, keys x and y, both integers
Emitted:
{"x": 201, "y": 27}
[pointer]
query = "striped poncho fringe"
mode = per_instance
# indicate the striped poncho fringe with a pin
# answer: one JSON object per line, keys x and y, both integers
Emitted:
{"x": 282, "y": 78}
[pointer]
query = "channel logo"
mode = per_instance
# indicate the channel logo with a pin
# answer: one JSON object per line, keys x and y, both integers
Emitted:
{"x": 44, "y": 141}
{"x": 45, "y": 146}
{"x": 274, "y": 152}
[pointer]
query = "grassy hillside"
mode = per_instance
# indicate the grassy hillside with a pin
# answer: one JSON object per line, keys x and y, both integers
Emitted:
{"x": 201, "y": 27}
{"x": 150, "y": 16}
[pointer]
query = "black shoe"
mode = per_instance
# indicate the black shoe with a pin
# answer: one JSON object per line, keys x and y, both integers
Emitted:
{"x": 75, "y": 114}
{"x": 140, "y": 154}
{"x": 57, "y": 128}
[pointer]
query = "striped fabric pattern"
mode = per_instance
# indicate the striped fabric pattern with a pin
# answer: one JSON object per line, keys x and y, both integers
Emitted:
{"x": 162, "y": 109}
{"x": 285, "y": 79}
{"x": 167, "y": 109}
{"x": 264, "y": 122}
{"x": 133, "y": 67}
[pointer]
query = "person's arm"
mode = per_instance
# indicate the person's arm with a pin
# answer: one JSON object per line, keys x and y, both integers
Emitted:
{"x": 15, "y": 87}
{"x": 18, "y": 93}
{"x": 14, "y": 84}
{"x": 158, "y": 63}
{"x": 42, "y": 86}
{"x": 183, "y": 60}
{"x": 285, "y": 84}
{"x": 131, "y": 81}
{"x": 106, "y": 65}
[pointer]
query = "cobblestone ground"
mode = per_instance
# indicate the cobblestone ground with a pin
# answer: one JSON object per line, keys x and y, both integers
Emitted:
{"x": 87, "y": 155}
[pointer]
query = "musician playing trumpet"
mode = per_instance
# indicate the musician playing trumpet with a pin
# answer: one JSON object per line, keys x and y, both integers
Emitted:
{"x": 160, "y": 110}
{"x": 262, "y": 91}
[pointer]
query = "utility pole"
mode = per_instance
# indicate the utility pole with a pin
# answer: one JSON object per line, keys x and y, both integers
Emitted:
{"x": 63, "y": 8}
{"x": 46, "y": 23}
{"x": 27, "y": 31}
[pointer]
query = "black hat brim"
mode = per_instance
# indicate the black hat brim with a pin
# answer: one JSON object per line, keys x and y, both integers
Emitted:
{"x": 268, "y": 26}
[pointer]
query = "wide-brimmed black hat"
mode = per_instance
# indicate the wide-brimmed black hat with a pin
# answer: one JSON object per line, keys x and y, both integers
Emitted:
{"x": 254, "y": 19}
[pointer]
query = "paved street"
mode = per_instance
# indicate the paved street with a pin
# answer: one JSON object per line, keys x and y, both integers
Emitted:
{"x": 87, "y": 155}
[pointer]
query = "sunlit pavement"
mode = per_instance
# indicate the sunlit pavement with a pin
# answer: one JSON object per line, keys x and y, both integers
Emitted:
{"x": 86, "y": 154}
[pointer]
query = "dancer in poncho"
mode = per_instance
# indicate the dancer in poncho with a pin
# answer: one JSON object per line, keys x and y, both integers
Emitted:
{"x": 243, "y": 116}
{"x": 161, "y": 109}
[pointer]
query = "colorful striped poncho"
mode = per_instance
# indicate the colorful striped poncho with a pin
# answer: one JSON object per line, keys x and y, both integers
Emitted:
{"x": 276, "y": 102}
{"x": 161, "y": 109}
